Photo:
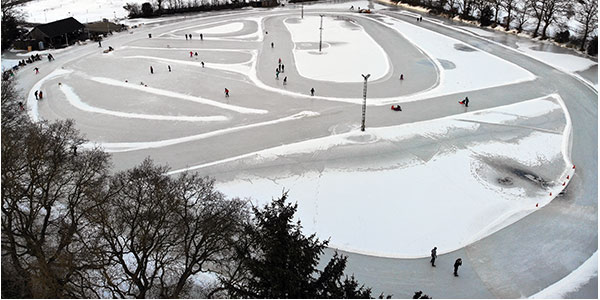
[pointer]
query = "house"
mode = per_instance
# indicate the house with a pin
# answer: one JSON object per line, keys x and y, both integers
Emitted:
{"x": 58, "y": 33}
{"x": 104, "y": 27}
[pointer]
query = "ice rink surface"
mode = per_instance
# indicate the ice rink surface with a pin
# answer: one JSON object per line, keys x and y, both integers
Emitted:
{"x": 481, "y": 182}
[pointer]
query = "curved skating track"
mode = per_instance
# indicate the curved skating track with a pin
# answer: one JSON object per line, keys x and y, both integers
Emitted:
{"x": 124, "y": 108}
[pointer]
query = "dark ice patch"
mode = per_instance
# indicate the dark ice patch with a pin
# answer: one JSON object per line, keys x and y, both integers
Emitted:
{"x": 463, "y": 47}
{"x": 446, "y": 64}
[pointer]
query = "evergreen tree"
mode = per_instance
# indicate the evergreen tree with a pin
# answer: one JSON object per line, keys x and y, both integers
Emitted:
{"x": 485, "y": 19}
{"x": 277, "y": 261}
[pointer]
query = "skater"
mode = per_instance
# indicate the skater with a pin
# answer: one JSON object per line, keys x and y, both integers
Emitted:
{"x": 466, "y": 101}
{"x": 41, "y": 95}
{"x": 36, "y": 95}
{"x": 421, "y": 19}
{"x": 151, "y": 70}
{"x": 226, "y": 93}
{"x": 401, "y": 76}
{"x": 285, "y": 80}
{"x": 202, "y": 64}
{"x": 201, "y": 37}
{"x": 99, "y": 44}
{"x": 279, "y": 67}
{"x": 37, "y": 70}
{"x": 190, "y": 37}
{"x": 191, "y": 54}
{"x": 149, "y": 35}
{"x": 196, "y": 54}
{"x": 276, "y": 73}
{"x": 169, "y": 66}
{"x": 417, "y": 295}
{"x": 186, "y": 37}
{"x": 280, "y": 61}
{"x": 312, "y": 91}
{"x": 272, "y": 45}
{"x": 282, "y": 68}
{"x": 21, "y": 107}
{"x": 433, "y": 256}
{"x": 352, "y": 7}
{"x": 457, "y": 264}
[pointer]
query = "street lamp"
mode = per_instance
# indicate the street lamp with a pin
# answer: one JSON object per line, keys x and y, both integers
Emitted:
{"x": 364, "y": 108}
{"x": 321, "y": 34}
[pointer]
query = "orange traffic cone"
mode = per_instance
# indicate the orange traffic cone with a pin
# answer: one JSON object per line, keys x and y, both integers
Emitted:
{"x": 564, "y": 183}
{"x": 568, "y": 177}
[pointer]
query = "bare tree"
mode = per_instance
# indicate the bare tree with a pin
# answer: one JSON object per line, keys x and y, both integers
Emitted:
{"x": 46, "y": 191}
{"x": 522, "y": 12}
{"x": 537, "y": 8}
{"x": 553, "y": 10}
{"x": 496, "y": 4}
{"x": 158, "y": 232}
{"x": 509, "y": 7}
{"x": 587, "y": 16}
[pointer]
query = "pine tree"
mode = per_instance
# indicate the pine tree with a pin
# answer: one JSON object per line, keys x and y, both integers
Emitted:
{"x": 277, "y": 261}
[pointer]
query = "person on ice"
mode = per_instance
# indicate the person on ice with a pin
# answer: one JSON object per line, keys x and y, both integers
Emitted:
{"x": 41, "y": 95}
{"x": 285, "y": 80}
{"x": 276, "y": 73}
{"x": 99, "y": 44}
{"x": 433, "y": 256}
{"x": 186, "y": 37}
{"x": 457, "y": 264}
{"x": 226, "y": 93}
{"x": 151, "y": 70}
{"x": 37, "y": 70}
{"x": 21, "y": 107}
{"x": 195, "y": 53}
{"x": 401, "y": 76}
{"x": 272, "y": 45}
{"x": 191, "y": 54}
{"x": 466, "y": 101}
{"x": 169, "y": 66}
{"x": 201, "y": 37}
{"x": 190, "y": 36}
{"x": 149, "y": 35}
{"x": 282, "y": 68}
{"x": 312, "y": 91}
{"x": 280, "y": 60}
{"x": 36, "y": 95}
{"x": 202, "y": 64}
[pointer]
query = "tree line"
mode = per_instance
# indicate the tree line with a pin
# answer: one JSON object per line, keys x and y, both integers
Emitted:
{"x": 73, "y": 229}
{"x": 517, "y": 13}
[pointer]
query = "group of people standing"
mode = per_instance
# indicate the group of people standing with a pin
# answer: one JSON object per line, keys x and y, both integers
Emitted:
{"x": 189, "y": 36}
{"x": 457, "y": 262}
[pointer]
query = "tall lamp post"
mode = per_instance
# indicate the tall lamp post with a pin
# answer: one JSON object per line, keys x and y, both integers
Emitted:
{"x": 364, "y": 108}
{"x": 321, "y": 34}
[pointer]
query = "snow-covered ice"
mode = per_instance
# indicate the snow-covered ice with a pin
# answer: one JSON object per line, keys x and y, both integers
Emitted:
{"x": 369, "y": 205}
{"x": 347, "y": 50}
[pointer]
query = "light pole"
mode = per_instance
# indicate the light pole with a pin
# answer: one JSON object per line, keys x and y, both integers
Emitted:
{"x": 321, "y": 34}
{"x": 364, "y": 108}
{"x": 302, "y": 9}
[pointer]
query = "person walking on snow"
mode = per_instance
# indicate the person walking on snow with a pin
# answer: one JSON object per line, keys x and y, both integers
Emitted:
{"x": 312, "y": 91}
{"x": 151, "y": 70}
{"x": 457, "y": 264}
{"x": 226, "y": 93}
{"x": 433, "y": 256}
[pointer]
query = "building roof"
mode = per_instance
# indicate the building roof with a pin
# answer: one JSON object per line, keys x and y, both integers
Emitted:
{"x": 60, "y": 27}
{"x": 103, "y": 26}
